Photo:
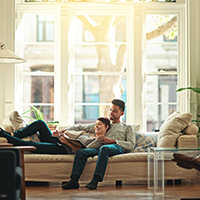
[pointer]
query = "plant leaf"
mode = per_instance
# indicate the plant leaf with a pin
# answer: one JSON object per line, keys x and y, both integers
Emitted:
{"x": 37, "y": 112}
{"x": 29, "y": 118}
{"x": 194, "y": 89}
{"x": 54, "y": 122}
{"x": 194, "y": 120}
{"x": 27, "y": 112}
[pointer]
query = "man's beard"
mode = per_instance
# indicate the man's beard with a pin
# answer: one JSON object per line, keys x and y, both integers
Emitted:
{"x": 112, "y": 118}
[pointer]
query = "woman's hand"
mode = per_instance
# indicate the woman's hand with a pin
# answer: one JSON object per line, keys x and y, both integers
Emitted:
{"x": 64, "y": 140}
{"x": 58, "y": 133}
{"x": 105, "y": 140}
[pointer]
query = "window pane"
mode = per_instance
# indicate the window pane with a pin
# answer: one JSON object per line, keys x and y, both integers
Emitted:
{"x": 87, "y": 58}
{"x": 37, "y": 29}
{"x": 42, "y": 67}
{"x": 89, "y": 113}
{"x": 38, "y": 89}
{"x": 39, "y": 26}
{"x": 99, "y": 89}
{"x": 38, "y": 76}
{"x": 161, "y": 57}
{"x": 161, "y": 50}
{"x": 100, "y": 28}
{"x": 39, "y": 57}
{"x": 99, "y": 46}
{"x": 161, "y": 68}
{"x": 86, "y": 113}
{"x": 161, "y": 88}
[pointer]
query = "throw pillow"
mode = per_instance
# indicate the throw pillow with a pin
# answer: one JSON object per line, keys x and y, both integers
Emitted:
{"x": 191, "y": 129}
{"x": 14, "y": 122}
{"x": 136, "y": 127}
{"x": 145, "y": 140}
{"x": 172, "y": 128}
{"x": 3, "y": 140}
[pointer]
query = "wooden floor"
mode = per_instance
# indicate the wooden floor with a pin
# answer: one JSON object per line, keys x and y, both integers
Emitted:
{"x": 108, "y": 191}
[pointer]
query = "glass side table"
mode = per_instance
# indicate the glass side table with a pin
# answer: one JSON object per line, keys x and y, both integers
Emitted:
{"x": 156, "y": 158}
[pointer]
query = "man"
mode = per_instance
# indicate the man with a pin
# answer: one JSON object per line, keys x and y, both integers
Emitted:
{"x": 120, "y": 138}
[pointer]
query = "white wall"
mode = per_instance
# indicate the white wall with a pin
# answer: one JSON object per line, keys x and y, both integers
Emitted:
{"x": 194, "y": 53}
{"x": 7, "y": 22}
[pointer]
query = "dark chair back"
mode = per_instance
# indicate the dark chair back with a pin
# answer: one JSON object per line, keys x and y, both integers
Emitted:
{"x": 10, "y": 174}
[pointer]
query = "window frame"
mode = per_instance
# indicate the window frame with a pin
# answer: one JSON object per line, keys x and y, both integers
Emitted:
{"x": 182, "y": 69}
{"x": 106, "y": 9}
{"x": 35, "y": 9}
{"x": 64, "y": 13}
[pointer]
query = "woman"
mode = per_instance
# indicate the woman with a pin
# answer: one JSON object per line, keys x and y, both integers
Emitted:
{"x": 102, "y": 125}
{"x": 48, "y": 145}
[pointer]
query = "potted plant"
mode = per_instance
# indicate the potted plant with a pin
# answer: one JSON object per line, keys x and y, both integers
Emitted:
{"x": 39, "y": 116}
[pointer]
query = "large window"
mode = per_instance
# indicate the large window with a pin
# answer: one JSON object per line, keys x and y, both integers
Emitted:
{"x": 100, "y": 67}
{"x": 80, "y": 58}
{"x": 161, "y": 70}
{"x": 38, "y": 73}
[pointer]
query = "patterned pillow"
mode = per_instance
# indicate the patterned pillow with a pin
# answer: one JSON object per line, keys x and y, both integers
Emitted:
{"x": 145, "y": 140}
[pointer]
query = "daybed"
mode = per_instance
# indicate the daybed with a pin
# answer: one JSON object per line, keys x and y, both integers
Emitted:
{"x": 175, "y": 131}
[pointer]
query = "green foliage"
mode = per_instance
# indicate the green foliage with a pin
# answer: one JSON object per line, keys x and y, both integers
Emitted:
{"x": 37, "y": 114}
{"x": 194, "y": 89}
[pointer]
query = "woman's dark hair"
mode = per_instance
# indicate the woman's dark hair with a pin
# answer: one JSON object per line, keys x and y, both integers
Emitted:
{"x": 120, "y": 103}
{"x": 105, "y": 120}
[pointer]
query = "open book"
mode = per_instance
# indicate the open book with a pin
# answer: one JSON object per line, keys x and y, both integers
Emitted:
{"x": 84, "y": 141}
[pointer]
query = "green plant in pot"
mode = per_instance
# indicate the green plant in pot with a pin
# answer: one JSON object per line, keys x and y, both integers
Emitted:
{"x": 39, "y": 116}
{"x": 194, "y": 89}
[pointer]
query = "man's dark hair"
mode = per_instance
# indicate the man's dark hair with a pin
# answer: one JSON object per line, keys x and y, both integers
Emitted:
{"x": 120, "y": 103}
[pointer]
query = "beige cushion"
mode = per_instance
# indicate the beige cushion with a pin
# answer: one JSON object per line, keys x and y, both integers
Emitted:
{"x": 172, "y": 128}
{"x": 3, "y": 140}
{"x": 191, "y": 129}
{"x": 136, "y": 127}
{"x": 187, "y": 141}
{"x": 13, "y": 122}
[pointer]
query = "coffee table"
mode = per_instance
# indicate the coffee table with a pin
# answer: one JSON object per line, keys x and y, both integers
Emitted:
{"x": 156, "y": 158}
